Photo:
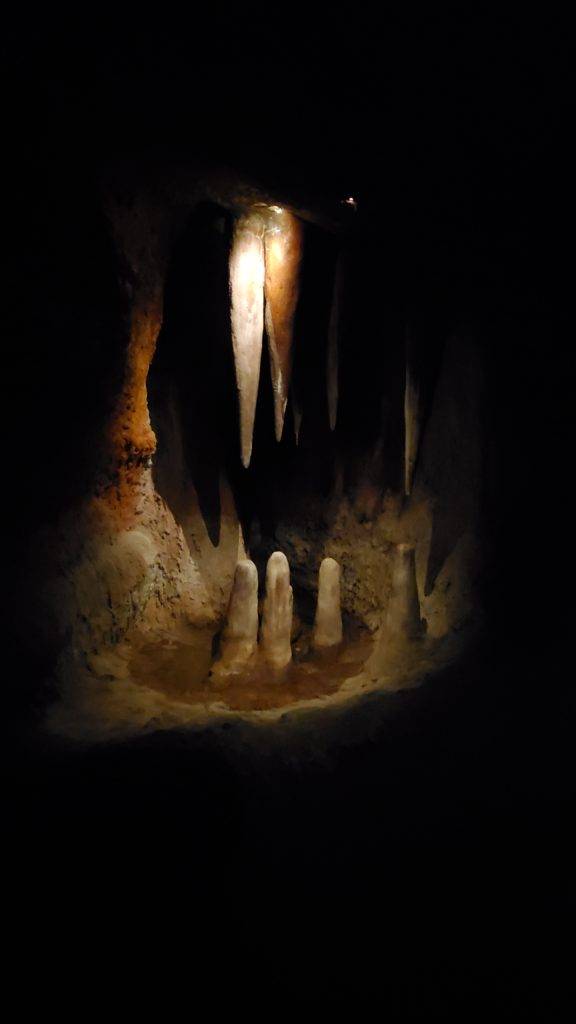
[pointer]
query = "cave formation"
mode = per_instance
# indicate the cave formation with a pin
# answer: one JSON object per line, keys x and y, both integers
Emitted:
{"x": 280, "y": 505}
{"x": 288, "y": 362}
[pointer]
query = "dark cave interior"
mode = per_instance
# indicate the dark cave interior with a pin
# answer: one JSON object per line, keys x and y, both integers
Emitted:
{"x": 435, "y": 816}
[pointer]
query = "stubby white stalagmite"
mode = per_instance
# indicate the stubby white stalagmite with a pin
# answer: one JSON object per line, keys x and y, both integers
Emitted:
{"x": 283, "y": 254}
{"x": 328, "y": 621}
{"x": 411, "y": 417}
{"x": 247, "y": 318}
{"x": 277, "y": 613}
{"x": 241, "y": 633}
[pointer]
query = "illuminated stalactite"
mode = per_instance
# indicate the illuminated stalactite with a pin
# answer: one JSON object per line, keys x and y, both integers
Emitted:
{"x": 247, "y": 318}
{"x": 283, "y": 255}
{"x": 277, "y": 612}
{"x": 411, "y": 417}
{"x": 334, "y": 327}
{"x": 264, "y": 285}
{"x": 403, "y": 612}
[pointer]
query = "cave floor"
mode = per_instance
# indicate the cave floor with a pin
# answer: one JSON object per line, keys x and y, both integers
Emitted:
{"x": 145, "y": 685}
{"x": 180, "y": 668}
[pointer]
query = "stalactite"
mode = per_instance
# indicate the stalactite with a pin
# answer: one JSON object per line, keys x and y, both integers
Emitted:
{"x": 411, "y": 416}
{"x": 283, "y": 254}
{"x": 277, "y": 612}
{"x": 297, "y": 413}
{"x": 247, "y": 317}
{"x": 328, "y": 620}
{"x": 334, "y": 328}
{"x": 402, "y": 624}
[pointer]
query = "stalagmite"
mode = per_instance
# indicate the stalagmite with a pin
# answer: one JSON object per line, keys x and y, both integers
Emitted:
{"x": 297, "y": 415}
{"x": 332, "y": 356}
{"x": 277, "y": 613}
{"x": 241, "y": 633}
{"x": 247, "y": 318}
{"x": 411, "y": 417}
{"x": 402, "y": 623}
{"x": 402, "y": 620}
{"x": 283, "y": 255}
{"x": 328, "y": 621}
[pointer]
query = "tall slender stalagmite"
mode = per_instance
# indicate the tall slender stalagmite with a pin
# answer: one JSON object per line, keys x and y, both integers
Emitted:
{"x": 283, "y": 255}
{"x": 277, "y": 613}
{"x": 332, "y": 355}
{"x": 328, "y": 621}
{"x": 403, "y": 613}
{"x": 402, "y": 623}
{"x": 411, "y": 416}
{"x": 241, "y": 633}
{"x": 297, "y": 415}
{"x": 247, "y": 317}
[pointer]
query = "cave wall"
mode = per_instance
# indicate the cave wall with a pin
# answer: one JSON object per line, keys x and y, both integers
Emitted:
{"x": 149, "y": 540}
{"x": 112, "y": 560}
{"x": 360, "y": 521}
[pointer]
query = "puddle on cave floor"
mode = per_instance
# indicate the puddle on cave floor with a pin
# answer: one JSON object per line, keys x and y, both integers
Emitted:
{"x": 179, "y": 668}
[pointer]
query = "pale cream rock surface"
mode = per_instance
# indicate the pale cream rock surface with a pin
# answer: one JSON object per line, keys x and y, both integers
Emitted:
{"x": 241, "y": 632}
{"x": 328, "y": 621}
{"x": 277, "y": 612}
{"x": 247, "y": 319}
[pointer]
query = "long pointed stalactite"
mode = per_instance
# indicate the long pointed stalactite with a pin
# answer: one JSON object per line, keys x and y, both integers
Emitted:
{"x": 297, "y": 413}
{"x": 264, "y": 285}
{"x": 334, "y": 328}
{"x": 283, "y": 256}
{"x": 247, "y": 318}
{"x": 411, "y": 416}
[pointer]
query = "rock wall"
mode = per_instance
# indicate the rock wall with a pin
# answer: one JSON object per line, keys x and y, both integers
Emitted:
{"x": 360, "y": 527}
{"x": 152, "y": 540}
{"x": 119, "y": 559}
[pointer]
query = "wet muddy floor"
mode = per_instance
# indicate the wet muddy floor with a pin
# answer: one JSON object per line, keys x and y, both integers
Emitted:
{"x": 181, "y": 669}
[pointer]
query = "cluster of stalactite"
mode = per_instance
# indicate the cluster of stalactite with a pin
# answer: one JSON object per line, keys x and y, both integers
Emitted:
{"x": 265, "y": 264}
